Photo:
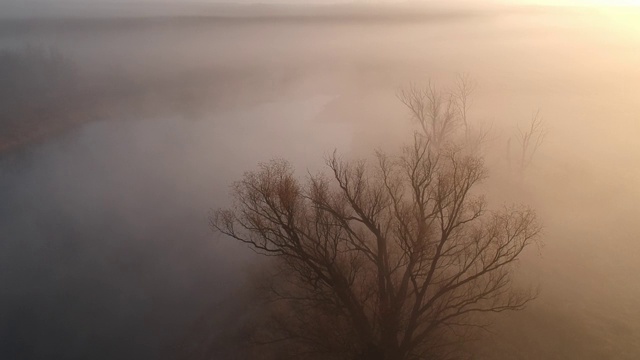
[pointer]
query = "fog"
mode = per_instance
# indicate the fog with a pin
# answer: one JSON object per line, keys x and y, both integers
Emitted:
{"x": 105, "y": 246}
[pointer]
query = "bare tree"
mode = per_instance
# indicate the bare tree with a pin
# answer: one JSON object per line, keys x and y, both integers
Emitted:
{"x": 391, "y": 259}
{"x": 443, "y": 115}
{"x": 529, "y": 140}
{"x": 465, "y": 86}
{"x": 436, "y": 111}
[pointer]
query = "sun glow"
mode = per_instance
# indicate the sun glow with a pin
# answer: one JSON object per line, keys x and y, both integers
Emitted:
{"x": 620, "y": 16}
{"x": 589, "y": 3}
{"x": 615, "y": 3}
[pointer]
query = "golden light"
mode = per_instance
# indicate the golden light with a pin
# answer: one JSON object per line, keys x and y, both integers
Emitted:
{"x": 615, "y": 3}
{"x": 620, "y": 16}
{"x": 589, "y": 3}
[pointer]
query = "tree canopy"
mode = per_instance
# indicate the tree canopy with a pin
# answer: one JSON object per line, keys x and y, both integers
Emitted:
{"x": 393, "y": 258}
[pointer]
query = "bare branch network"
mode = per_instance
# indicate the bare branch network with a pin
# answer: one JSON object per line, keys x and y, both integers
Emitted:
{"x": 441, "y": 114}
{"x": 389, "y": 259}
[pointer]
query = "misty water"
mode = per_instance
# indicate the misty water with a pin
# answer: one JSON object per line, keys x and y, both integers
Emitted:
{"x": 107, "y": 239}
{"x": 105, "y": 246}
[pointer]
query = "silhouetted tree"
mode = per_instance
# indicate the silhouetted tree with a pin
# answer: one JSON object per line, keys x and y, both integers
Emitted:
{"x": 392, "y": 259}
{"x": 529, "y": 141}
{"x": 437, "y": 112}
{"x": 443, "y": 115}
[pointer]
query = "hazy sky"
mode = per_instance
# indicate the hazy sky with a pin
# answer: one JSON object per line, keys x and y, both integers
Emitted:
{"x": 7, "y": 7}
{"x": 546, "y": 2}
{"x": 45, "y": 8}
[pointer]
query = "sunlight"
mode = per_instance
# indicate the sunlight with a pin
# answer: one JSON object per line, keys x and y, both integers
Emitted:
{"x": 589, "y": 3}
{"x": 609, "y": 2}
{"x": 624, "y": 21}
{"x": 620, "y": 16}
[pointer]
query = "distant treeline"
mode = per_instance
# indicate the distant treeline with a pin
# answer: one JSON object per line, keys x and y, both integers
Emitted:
{"x": 37, "y": 85}
{"x": 44, "y": 92}
{"x": 216, "y": 14}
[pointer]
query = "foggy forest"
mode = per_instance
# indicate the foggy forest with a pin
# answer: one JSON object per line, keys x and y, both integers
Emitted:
{"x": 320, "y": 180}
